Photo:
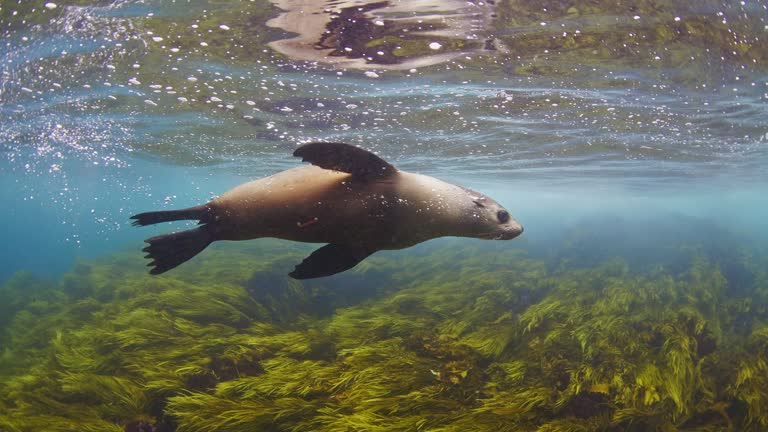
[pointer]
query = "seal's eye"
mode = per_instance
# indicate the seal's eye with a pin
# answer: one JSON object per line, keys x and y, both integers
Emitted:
{"x": 503, "y": 216}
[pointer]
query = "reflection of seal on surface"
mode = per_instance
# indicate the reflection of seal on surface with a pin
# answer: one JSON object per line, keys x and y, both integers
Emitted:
{"x": 384, "y": 34}
{"x": 350, "y": 198}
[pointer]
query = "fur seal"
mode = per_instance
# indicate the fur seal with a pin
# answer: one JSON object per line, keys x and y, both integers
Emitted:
{"x": 349, "y": 198}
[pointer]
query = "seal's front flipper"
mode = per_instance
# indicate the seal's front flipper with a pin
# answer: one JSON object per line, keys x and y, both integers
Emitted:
{"x": 328, "y": 260}
{"x": 362, "y": 164}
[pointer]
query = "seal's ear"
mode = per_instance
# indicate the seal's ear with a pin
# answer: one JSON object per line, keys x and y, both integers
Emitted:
{"x": 361, "y": 163}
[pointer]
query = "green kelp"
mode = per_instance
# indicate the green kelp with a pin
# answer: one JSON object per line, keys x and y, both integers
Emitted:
{"x": 501, "y": 342}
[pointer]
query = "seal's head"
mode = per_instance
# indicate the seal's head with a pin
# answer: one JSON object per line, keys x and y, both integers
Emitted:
{"x": 491, "y": 221}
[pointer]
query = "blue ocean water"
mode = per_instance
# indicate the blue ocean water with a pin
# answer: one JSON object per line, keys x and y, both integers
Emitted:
{"x": 110, "y": 109}
{"x": 630, "y": 140}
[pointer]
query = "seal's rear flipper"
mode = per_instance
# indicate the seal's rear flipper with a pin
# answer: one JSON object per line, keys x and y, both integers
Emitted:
{"x": 168, "y": 251}
{"x": 328, "y": 260}
{"x": 202, "y": 213}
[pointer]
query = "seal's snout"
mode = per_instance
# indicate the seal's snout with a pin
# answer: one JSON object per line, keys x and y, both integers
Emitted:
{"x": 512, "y": 230}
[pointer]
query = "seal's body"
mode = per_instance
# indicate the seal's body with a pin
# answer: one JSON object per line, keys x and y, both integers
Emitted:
{"x": 350, "y": 199}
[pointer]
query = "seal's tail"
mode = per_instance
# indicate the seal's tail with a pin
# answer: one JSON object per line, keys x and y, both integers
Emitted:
{"x": 202, "y": 213}
{"x": 169, "y": 250}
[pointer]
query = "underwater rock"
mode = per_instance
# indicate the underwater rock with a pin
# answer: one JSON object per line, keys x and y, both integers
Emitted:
{"x": 140, "y": 426}
{"x": 587, "y": 404}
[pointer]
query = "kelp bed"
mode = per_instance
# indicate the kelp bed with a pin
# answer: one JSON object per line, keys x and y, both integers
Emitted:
{"x": 472, "y": 338}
